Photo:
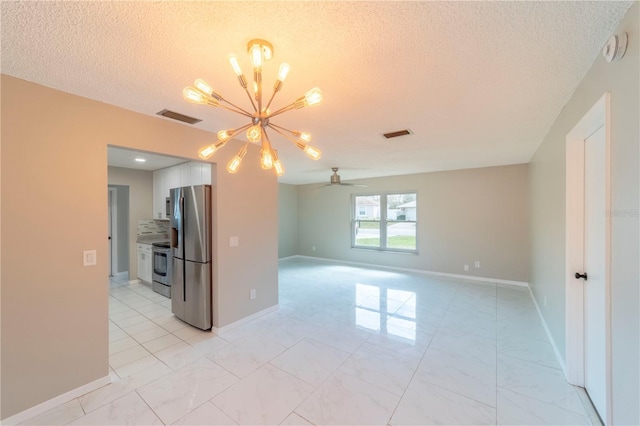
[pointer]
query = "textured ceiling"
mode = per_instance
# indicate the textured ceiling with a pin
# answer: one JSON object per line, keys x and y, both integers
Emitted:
{"x": 478, "y": 83}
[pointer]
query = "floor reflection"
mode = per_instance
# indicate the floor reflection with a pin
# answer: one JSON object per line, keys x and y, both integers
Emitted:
{"x": 377, "y": 309}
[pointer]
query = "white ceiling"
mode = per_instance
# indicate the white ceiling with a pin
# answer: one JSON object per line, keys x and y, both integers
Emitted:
{"x": 121, "y": 157}
{"x": 478, "y": 83}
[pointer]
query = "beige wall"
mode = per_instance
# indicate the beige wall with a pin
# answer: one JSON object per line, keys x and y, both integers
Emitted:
{"x": 140, "y": 183}
{"x": 463, "y": 216}
{"x": 547, "y": 188}
{"x": 54, "y": 171}
{"x": 248, "y": 209}
{"x": 287, "y": 220}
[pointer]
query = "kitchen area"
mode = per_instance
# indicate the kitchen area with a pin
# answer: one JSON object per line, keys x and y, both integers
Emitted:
{"x": 170, "y": 226}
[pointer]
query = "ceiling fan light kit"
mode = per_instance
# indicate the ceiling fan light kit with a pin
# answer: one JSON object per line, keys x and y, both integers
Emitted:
{"x": 260, "y": 119}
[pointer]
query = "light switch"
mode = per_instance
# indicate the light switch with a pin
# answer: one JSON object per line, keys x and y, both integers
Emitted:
{"x": 88, "y": 258}
{"x": 233, "y": 242}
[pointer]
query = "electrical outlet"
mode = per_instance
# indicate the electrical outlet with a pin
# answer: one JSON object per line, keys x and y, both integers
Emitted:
{"x": 477, "y": 263}
{"x": 253, "y": 294}
{"x": 234, "y": 242}
{"x": 466, "y": 267}
{"x": 313, "y": 248}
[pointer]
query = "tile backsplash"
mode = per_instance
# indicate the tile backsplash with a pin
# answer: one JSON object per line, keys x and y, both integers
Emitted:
{"x": 153, "y": 229}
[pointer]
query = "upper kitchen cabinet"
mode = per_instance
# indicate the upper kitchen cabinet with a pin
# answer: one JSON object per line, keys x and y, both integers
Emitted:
{"x": 199, "y": 173}
{"x": 185, "y": 174}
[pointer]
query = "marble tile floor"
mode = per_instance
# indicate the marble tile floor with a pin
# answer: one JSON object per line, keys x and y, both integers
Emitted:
{"x": 348, "y": 345}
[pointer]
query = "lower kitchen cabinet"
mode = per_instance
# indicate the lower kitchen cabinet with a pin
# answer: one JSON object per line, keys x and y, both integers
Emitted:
{"x": 145, "y": 262}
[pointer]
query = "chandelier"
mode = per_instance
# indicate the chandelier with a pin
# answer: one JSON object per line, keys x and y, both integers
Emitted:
{"x": 260, "y": 119}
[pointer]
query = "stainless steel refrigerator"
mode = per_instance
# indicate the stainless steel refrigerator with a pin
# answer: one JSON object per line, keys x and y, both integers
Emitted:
{"x": 191, "y": 250}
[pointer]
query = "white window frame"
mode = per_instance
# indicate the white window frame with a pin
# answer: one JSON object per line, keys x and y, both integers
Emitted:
{"x": 383, "y": 221}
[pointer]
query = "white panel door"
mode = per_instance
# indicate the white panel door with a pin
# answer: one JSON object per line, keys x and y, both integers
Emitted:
{"x": 595, "y": 266}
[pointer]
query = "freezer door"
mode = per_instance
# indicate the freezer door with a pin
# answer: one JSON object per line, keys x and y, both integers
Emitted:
{"x": 197, "y": 223}
{"x": 177, "y": 288}
{"x": 197, "y": 309}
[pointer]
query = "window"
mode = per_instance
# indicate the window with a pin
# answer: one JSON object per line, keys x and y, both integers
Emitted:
{"x": 385, "y": 222}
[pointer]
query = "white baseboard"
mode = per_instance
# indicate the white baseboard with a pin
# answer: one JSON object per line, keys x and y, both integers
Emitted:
{"x": 134, "y": 281}
{"x": 57, "y": 401}
{"x": 245, "y": 320}
{"x": 546, "y": 329}
{"x": 470, "y": 278}
{"x": 288, "y": 257}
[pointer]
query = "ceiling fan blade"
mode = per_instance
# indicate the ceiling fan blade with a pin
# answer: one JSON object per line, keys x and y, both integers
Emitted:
{"x": 354, "y": 184}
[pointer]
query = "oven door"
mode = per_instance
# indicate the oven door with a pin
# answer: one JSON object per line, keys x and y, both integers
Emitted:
{"x": 161, "y": 265}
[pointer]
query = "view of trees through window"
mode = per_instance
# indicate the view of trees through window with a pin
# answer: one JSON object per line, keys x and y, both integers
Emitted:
{"x": 385, "y": 221}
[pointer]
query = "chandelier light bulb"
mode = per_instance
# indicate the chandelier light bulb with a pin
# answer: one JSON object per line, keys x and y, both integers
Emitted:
{"x": 233, "y": 60}
{"x": 234, "y": 164}
{"x": 255, "y": 53}
{"x": 303, "y": 136}
{"x": 194, "y": 96}
{"x": 266, "y": 159}
{"x": 266, "y": 154}
{"x": 206, "y": 151}
{"x": 254, "y": 133}
{"x": 313, "y": 97}
{"x": 283, "y": 71}
{"x": 313, "y": 153}
{"x": 225, "y": 135}
{"x": 203, "y": 87}
{"x": 277, "y": 165}
{"x": 278, "y": 168}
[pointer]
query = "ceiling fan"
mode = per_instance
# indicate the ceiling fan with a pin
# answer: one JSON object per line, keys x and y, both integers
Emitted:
{"x": 335, "y": 180}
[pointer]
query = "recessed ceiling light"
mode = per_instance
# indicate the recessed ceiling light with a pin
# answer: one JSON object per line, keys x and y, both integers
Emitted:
{"x": 140, "y": 160}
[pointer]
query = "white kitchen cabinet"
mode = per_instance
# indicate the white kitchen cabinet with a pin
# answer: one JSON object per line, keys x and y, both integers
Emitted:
{"x": 145, "y": 262}
{"x": 200, "y": 173}
{"x": 185, "y": 174}
{"x": 206, "y": 173}
{"x": 173, "y": 179}
{"x": 185, "y": 177}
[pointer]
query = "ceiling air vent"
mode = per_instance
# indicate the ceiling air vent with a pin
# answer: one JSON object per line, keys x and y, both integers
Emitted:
{"x": 397, "y": 133}
{"x": 178, "y": 116}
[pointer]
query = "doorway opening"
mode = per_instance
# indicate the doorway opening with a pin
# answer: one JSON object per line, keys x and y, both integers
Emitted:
{"x": 118, "y": 233}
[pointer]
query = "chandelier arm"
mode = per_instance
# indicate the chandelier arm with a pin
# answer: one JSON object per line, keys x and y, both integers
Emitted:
{"x": 241, "y": 112}
{"x": 280, "y": 127}
{"x": 253, "y": 104}
{"x": 281, "y": 110}
{"x": 273, "y": 95}
{"x": 257, "y": 78}
{"x": 247, "y": 113}
{"x": 264, "y": 131}
{"x": 282, "y": 133}
{"x": 242, "y": 129}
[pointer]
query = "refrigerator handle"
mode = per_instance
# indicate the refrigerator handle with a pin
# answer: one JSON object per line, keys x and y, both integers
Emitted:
{"x": 182, "y": 250}
{"x": 182, "y": 244}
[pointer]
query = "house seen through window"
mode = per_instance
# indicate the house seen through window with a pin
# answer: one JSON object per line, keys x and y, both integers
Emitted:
{"x": 385, "y": 222}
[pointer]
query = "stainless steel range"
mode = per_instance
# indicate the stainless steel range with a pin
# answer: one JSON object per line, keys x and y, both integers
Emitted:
{"x": 162, "y": 260}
